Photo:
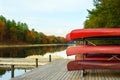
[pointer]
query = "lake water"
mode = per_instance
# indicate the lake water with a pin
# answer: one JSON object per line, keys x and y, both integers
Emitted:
{"x": 5, "y": 74}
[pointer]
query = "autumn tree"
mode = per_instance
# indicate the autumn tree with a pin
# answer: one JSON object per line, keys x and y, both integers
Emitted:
{"x": 61, "y": 40}
{"x": 43, "y": 38}
{"x": 11, "y": 31}
{"x": 51, "y": 39}
{"x": 13, "y": 34}
{"x": 2, "y": 30}
{"x": 29, "y": 36}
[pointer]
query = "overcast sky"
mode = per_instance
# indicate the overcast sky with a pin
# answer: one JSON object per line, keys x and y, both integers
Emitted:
{"x": 52, "y": 17}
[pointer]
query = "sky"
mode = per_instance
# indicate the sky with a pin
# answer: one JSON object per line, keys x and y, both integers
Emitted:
{"x": 52, "y": 17}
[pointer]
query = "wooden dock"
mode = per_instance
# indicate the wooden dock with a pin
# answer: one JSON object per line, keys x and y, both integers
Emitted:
{"x": 57, "y": 70}
{"x": 22, "y": 63}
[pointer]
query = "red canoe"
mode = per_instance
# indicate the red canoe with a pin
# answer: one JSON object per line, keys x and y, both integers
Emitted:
{"x": 84, "y": 49}
{"x": 94, "y": 32}
{"x": 68, "y": 37}
{"x": 93, "y": 64}
{"x": 97, "y": 57}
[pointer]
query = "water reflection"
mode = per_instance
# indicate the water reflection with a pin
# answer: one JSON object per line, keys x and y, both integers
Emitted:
{"x": 24, "y": 52}
{"x": 5, "y": 74}
{"x": 2, "y": 71}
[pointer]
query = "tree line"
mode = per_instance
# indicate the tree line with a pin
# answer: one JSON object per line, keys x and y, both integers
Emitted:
{"x": 15, "y": 32}
{"x": 106, "y": 14}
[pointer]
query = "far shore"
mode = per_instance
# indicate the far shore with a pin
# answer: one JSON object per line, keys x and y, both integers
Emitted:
{"x": 29, "y": 45}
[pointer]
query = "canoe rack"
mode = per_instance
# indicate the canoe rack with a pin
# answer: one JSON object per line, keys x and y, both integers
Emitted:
{"x": 94, "y": 60}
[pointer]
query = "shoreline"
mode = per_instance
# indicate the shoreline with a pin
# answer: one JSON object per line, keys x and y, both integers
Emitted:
{"x": 30, "y": 45}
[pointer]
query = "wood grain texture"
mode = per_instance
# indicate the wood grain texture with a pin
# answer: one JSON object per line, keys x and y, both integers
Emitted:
{"x": 57, "y": 70}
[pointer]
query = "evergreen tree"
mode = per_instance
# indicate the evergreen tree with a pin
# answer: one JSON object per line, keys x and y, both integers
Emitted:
{"x": 106, "y": 14}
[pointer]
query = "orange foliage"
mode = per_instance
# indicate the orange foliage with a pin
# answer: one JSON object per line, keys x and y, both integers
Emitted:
{"x": 13, "y": 34}
{"x": 51, "y": 39}
{"x": 2, "y": 30}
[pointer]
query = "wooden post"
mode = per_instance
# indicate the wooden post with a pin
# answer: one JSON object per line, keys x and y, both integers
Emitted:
{"x": 36, "y": 62}
{"x": 25, "y": 70}
{"x": 49, "y": 58}
{"x": 84, "y": 56}
{"x": 12, "y": 71}
{"x": 84, "y": 43}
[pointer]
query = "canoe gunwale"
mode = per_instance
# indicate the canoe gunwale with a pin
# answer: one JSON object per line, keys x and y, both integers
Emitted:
{"x": 95, "y": 32}
{"x": 97, "y": 38}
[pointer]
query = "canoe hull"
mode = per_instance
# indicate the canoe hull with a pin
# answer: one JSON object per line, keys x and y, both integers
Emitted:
{"x": 97, "y": 57}
{"x": 92, "y": 64}
{"x": 94, "y": 32}
{"x": 93, "y": 50}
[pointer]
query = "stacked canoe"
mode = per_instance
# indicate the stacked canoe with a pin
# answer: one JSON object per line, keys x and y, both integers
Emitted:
{"x": 94, "y": 56}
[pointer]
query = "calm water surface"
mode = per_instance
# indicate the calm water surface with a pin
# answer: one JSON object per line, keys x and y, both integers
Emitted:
{"x": 5, "y": 74}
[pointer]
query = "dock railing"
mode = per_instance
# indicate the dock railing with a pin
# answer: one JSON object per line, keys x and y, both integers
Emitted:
{"x": 36, "y": 61}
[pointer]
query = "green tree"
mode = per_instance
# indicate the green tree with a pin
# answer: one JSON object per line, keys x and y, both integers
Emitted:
{"x": 2, "y": 18}
{"x": 106, "y": 14}
{"x": 11, "y": 31}
{"x": 20, "y": 31}
{"x": 43, "y": 38}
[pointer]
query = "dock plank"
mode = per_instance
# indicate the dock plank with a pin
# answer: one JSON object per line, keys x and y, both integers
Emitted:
{"x": 57, "y": 70}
